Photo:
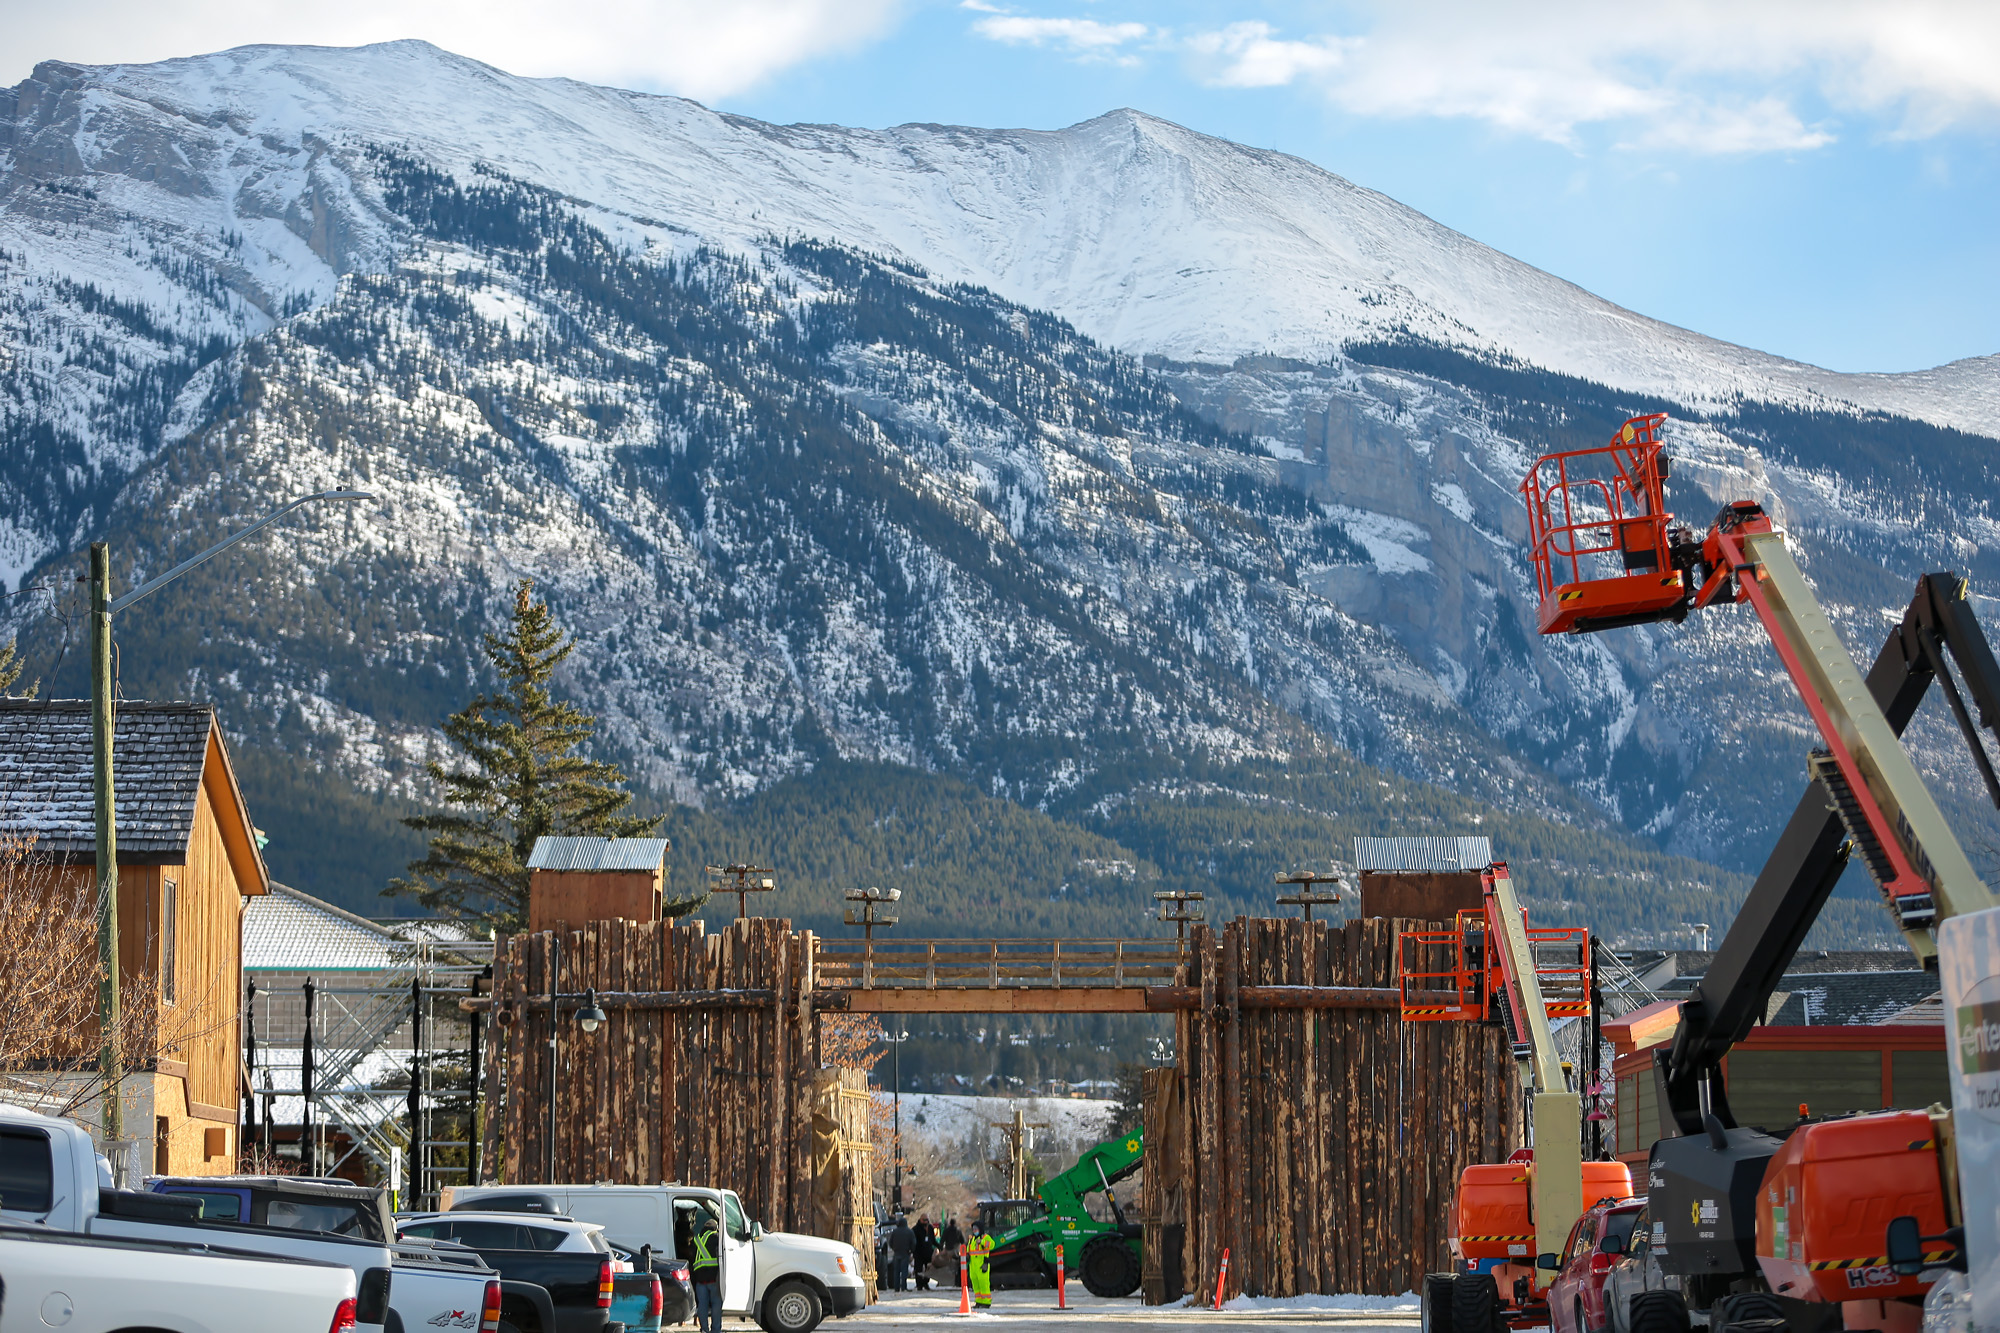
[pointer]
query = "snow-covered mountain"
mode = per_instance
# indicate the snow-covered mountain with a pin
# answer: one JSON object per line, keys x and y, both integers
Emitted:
{"x": 779, "y": 411}
{"x": 1144, "y": 235}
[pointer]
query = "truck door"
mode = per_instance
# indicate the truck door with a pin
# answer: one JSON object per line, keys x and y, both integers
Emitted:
{"x": 739, "y": 1258}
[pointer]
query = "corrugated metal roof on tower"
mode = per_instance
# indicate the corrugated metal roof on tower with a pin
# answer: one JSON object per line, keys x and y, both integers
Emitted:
{"x": 598, "y": 854}
{"x": 1433, "y": 854}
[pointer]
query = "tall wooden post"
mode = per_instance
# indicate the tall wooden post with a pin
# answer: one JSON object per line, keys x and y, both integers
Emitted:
{"x": 109, "y": 1065}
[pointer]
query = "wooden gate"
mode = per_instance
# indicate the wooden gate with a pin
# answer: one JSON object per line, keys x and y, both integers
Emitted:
{"x": 705, "y": 1070}
{"x": 1319, "y": 1146}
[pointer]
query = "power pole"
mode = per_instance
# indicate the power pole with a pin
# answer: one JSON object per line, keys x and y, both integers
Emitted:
{"x": 1018, "y": 1133}
{"x": 1307, "y": 897}
{"x": 872, "y": 901}
{"x": 1180, "y": 906}
{"x": 101, "y": 723}
{"x": 102, "y": 608}
{"x": 744, "y": 885}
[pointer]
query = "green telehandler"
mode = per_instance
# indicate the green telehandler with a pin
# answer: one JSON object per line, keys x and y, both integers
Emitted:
{"x": 1105, "y": 1255}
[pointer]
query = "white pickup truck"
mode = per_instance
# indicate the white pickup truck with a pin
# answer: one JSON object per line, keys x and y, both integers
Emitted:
{"x": 786, "y": 1282}
{"x": 81, "y": 1284}
{"x": 49, "y": 1178}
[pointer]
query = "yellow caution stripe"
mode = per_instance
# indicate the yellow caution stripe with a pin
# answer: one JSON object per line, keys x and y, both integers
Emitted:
{"x": 1463, "y": 1239}
{"x": 1879, "y": 1261}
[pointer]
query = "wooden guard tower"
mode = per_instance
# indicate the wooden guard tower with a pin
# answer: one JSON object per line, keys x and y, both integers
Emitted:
{"x": 1421, "y": 879}
{"x": 575, "y": 881}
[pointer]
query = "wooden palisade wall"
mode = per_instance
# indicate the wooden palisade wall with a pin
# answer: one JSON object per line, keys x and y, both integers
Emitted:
{"x": 1320, "y": 1147}
{"x": 729, "y": 1094}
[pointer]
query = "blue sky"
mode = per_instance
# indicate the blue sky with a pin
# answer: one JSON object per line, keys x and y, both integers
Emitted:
{"x": 1815, "y": 178}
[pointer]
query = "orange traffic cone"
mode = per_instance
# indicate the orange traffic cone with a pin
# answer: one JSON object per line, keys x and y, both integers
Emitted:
{"x": 964, "y": 1290}
{"x": 1220, "y": 1278}
{"x": 1061, "y": 1302}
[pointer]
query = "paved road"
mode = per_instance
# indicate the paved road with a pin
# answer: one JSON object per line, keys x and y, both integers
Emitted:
{"x": 1034, "y": 1312}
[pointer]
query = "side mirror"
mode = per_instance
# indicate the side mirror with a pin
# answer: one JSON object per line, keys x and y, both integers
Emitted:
{"x": 1612, "y": 1244}
{"x": 1548, "y": 1261}
{"x": 756, "y": 1231}
{"x": 1906, "y": 1246}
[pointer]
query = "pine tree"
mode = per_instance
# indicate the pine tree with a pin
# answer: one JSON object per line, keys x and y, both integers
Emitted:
{"x": 10, "y": 671}
{"x": 522, "y": 779}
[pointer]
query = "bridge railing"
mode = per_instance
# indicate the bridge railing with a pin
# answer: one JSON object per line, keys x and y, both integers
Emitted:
{"x": 997, "y": 964}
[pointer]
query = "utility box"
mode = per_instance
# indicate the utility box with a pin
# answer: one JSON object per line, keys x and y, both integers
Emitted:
{"x": 1421, "y": 879}
{"x": 574, "y": 881}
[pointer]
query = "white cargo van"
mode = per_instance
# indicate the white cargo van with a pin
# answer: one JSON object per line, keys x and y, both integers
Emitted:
{"x": 786, "y": 1282}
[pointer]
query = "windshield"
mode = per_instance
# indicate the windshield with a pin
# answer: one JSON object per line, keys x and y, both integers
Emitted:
{"x": 1006, "y": 1217}
{"x": 1620, "y": 1225}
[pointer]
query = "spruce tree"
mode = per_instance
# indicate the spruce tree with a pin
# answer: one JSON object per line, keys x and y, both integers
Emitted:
{"x": 520, "y": 778}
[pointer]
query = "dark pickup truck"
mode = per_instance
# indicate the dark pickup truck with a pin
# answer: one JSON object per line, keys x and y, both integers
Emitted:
{"x": 545, "y": 1290}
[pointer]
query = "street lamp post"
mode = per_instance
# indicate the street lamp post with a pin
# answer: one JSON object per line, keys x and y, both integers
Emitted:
{"x": 102, "y": 607}
{"x": 896, "y": 1102}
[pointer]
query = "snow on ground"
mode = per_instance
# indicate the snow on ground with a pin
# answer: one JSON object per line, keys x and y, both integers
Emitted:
{"x": 949, "y": 1121}
{"x": 1406, "y": 1303}
{"x": 1033, "y": 1311}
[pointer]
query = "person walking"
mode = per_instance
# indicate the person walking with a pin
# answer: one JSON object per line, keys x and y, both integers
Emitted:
{"x": 901, "y": 1241}
{"x": 982, "y": 1275}
{"x": 924, "y": 1251}
{"x": 951, "y": 1238}
{"x": 705, "y": 1270}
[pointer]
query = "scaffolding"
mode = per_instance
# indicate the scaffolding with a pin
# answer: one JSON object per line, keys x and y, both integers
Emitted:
{"x": 350, "y": 1060}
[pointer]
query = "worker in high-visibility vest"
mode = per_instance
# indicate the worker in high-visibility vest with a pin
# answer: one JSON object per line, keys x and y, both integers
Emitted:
{"x": 705, "y": 1272}
{"x": 980, "y": 1265}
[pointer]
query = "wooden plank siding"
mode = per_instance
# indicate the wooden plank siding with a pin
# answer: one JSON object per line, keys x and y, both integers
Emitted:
{"x": 193, "y": 1085}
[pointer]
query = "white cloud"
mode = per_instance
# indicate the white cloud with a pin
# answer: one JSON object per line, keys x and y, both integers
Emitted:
{"x": 1711, "y": 76}
{"x": 1250, "y": 55}
{"x": 694, "y": 47}
{"x": 1078, "y": 36}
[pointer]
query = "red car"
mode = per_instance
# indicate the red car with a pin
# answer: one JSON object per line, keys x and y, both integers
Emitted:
{"x": 1576, "y": 1297}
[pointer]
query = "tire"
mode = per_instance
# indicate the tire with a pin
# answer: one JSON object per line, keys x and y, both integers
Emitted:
{"x": 1435, "y": 1303}
{"x": 1475, "y": 1304}
{"x": 1657, "y": 1312}
{"x": 790, "y": 1306}
{"x": 1749, "y": 1312}
{"x": 1579, "y": 1326}
{"x": 1109, "y": 1267}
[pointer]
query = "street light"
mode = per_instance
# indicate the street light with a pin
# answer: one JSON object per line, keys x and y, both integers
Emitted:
{"x": 591, "y": 1017}
{"x": 102, "y": 607}
{"x": 896, "y": 1100}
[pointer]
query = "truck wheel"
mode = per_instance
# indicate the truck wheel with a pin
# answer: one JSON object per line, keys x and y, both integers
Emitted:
{"x": 1475, "y": 1304}
{"x": 1657, "y": 1312}
{"x": 1109, "y": 1268}
{"x": 1749, "y": 1312}
{"x": 1435, "y": 1303}
{"x": 791, "y": 1307}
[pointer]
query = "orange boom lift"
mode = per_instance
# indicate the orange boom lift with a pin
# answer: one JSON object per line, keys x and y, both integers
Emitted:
{"x": 1842, "y": 1221}
{"x": 1495, "y": 967}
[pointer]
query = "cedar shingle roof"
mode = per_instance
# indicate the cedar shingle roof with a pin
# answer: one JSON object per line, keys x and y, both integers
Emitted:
{"x": 158, "y": 751}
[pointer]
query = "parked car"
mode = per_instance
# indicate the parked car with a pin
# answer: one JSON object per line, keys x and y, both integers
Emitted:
{"x": 87, "y": 1284}
{"x": 676, "y": 1283}
{"x": 787, "y": 1283}
{"x": 1638, "y": 1297}
{"x": 1600, "y": 1236}
{"x": 560, "y": 1273}
{"x": 52, "y": 1172}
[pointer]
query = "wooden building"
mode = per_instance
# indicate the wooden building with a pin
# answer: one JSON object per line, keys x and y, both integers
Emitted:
{"x": 575, "y": 881}
{"x": 1421, "y": 879}
{"x": 188, "y": 860}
